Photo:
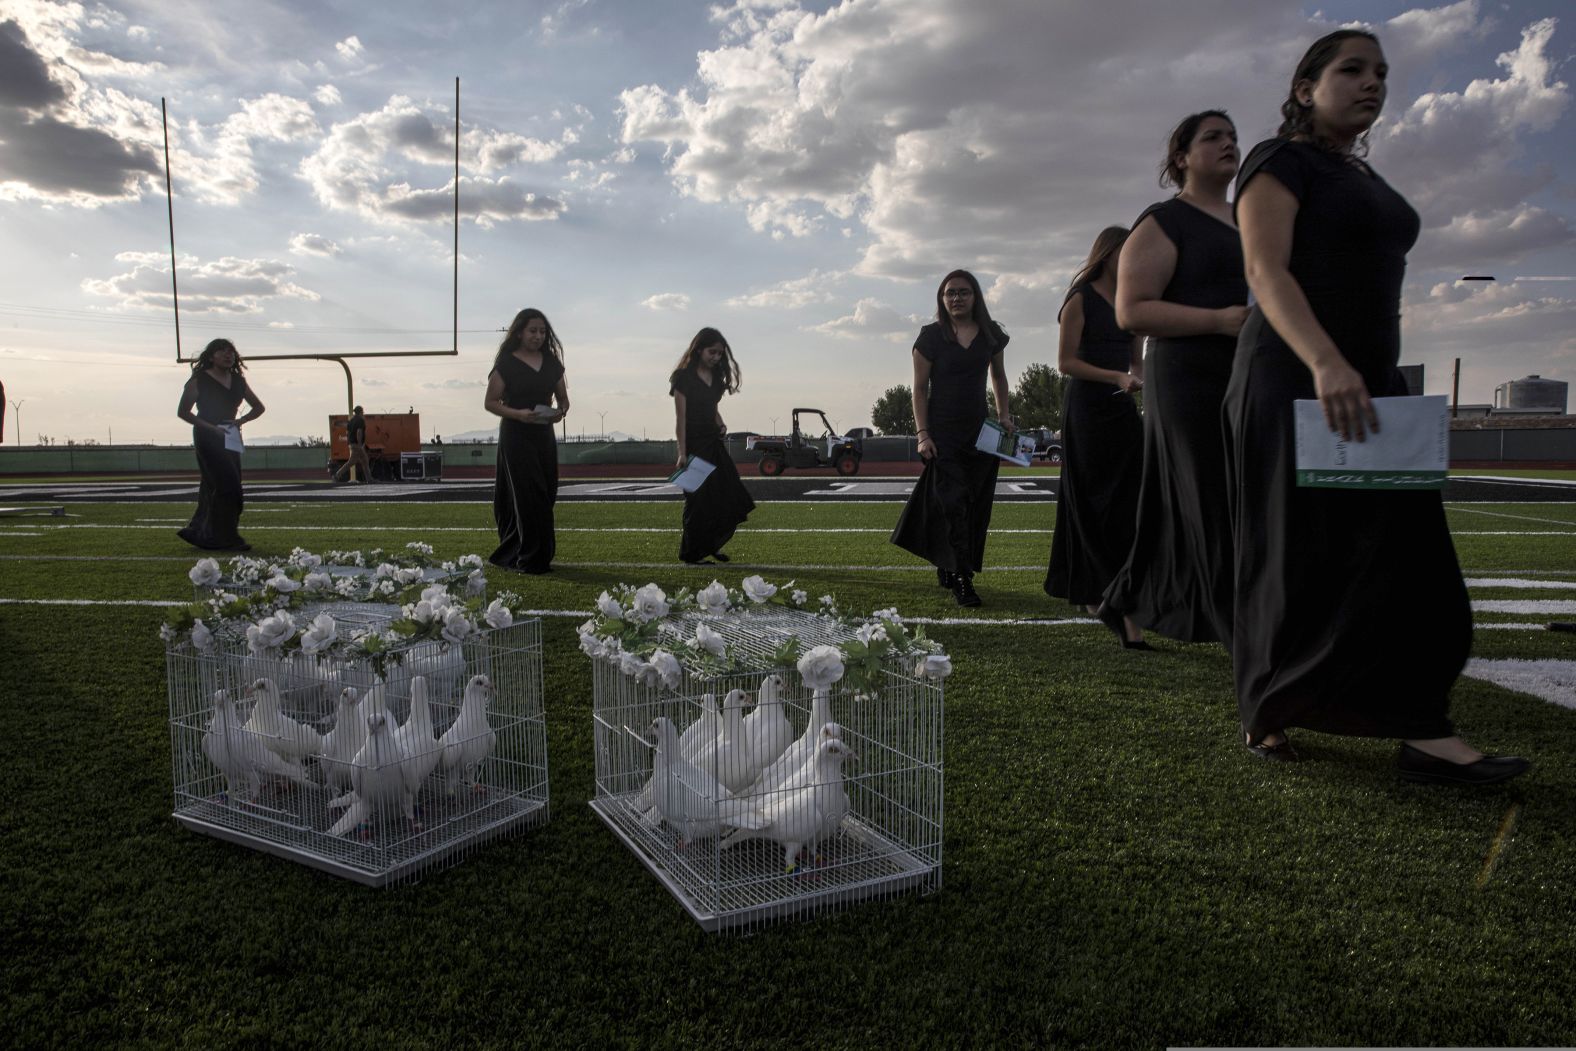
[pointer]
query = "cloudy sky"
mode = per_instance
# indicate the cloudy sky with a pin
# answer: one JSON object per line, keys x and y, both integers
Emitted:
{"x": 798, "y": 174}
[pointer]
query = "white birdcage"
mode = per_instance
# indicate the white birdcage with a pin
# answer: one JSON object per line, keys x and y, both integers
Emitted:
{"x": 871, "y": 829}
{"x": 267, "y": 781}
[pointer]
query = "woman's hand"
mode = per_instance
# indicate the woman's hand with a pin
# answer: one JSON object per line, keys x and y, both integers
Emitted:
{"x": 679, "y": 462}
{"x": 1229, "y": 320}
{"x": 927, "y": 448}
{"x": 525, "y": 415}
{"x": 1344, "y": 398}
{"x": 1005, "y": 419}
{"x": 1128, "y": 382}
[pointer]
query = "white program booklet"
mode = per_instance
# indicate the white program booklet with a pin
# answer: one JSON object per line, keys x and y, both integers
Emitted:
{"x": 232, "y": 438}
{"x": 692, "y": 474}
{"x": 546, "y": 414}
{"x": 996, "y": 440}
{"x": 1411, "y": 450}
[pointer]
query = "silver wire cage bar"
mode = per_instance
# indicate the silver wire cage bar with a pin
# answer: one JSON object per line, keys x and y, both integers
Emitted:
{"x": 876, "y": 829}
{"x": 246, "y": 771}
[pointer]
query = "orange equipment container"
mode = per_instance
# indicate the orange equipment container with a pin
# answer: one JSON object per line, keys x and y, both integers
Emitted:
{"x": 387, "y": 436}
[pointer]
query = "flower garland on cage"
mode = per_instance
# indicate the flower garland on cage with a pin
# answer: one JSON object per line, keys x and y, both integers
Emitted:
{"x": 429, "y": 611}
{"x": 627, "y": 631}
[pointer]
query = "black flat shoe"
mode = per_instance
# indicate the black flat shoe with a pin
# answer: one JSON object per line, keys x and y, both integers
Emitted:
{"x": 1113, "y": 620}
{"x": 963, "y": 590}
{"x": 946, "y": 578}
{"x": 1418, "y": 766}
{"x": 720, "y": 557}
{"x": 1275, "y": 753}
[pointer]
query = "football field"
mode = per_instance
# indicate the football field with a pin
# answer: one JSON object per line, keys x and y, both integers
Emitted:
{"x": 1118, "y": 870}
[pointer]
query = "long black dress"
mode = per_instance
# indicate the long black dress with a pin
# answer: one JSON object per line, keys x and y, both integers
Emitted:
{"x": 1352, "y": 615}
{"x": 1177, "y": 579}
{"x": 216, "y": 523}
{"x": 947, "y": 516}
{"x": 526, "y": 486}
{"x": 713, "y": 512}
{"x": 1102, "y": 461}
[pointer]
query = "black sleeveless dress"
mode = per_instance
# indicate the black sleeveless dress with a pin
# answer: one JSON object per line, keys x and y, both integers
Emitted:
{"x": 525, "y": 487}
{"x": 1177, "y": 579}
{"x": 1102, "y": 461}
{"x": 947, "y": 516}
{"x": 1351, "y": 612}
{"x": 216, "y": 523}
{"x": 714, "y": 512}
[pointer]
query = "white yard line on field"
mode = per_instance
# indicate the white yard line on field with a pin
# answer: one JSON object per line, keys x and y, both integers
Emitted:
{"x": 1522, "y": 518}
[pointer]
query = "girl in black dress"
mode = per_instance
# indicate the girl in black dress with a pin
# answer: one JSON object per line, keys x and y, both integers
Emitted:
{"x": 216, "y": 389}
{"x": 1352, "y": 614}
{"x": 527, "y": 375}
{"x": 715, "y": 510}
{"x": 1181, "y": 284}
{"x": 1102, "y": 436}
{"x": 948, "y": 513}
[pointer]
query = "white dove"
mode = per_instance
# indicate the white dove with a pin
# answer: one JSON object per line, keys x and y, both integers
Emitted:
{"x": 471, "y": 739}
{"x": 240, "y": 755}
{"x": 766, "y": 729}
{"x": 416, "y": 739}
{"x": 727, "y": 758}
{"x": 687, "y": 797}
{"x": 281, "y": 734}
{"x": 341, "y": 744}
{"x": 705, "y": 729}
{"x": 801, "y": 753}
{"x": 377, "y": 780}
{"x": 808, "y": 814}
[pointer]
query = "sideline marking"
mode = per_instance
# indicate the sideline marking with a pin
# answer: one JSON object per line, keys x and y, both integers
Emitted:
{"x": 1497, "y": 848}
{"x": 1523, "y": 518}
{"x": 1551, "y": 680}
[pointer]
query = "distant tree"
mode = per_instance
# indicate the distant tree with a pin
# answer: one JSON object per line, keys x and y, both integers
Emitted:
{"x": 893, "y": 412}
{"x": 1038, "y": 400}
{"x": 310, "y": 443}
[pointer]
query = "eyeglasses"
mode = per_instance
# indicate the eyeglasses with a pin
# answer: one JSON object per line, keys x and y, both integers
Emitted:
{"x": 957, "y": 293}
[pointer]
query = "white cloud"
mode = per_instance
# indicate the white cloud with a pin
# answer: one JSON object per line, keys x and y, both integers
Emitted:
{"x": 666, "y": 301}
{"x": 314, "y": 244}
{"x": 328, "y": 95}
{"x": 350, "y": 48}
{"x": 814, "y": 287}
{"x": 222, "y": 286}
{"x": 455, "y": 384}
{"x": 1480, "y": 239}
{"x": 871, "y": 319}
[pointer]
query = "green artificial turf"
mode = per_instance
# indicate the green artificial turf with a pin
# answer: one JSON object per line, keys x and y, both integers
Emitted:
{"x": 1118, "y": 871}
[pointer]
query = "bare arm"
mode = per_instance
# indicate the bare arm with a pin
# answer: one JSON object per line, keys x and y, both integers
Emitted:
{"x": 999, "y": 387}
{"x": 679, "y": 405}
{"x": 256, "y": 404}
{"x": 188, "y": 403}
{"x": 1267, "y": 211}
{"x": 1148, "y": 261}
{"x": 1067, "y": 359}
{"x": 494, "y": 402}
{"x": 921, "y": 396}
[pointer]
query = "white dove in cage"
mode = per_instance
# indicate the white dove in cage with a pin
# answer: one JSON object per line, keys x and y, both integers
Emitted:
{"x": 471, "y": 739}
{"x": 727, "y": 758}
{"x": 798, "y": 754}
{"x": 240, "y": 755}
{"x": 341, "y": 744}
{"x": 283, "y": 735}
{"x": 766, "y": 729}
{"x": 416, "y": 739}
{"x": 706, "y": 728}
{"x": 802, "y": 817}
{"x": 377, "y": 780}
{"x": 688, "y": 798}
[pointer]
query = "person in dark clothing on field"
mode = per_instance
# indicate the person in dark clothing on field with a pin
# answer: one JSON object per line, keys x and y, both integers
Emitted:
{"x": 215, "y": 390}
{"x": 356, "y": 435}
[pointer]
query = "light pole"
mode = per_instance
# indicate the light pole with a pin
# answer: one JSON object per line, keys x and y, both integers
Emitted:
{"x": 603, "y": 415}
{"x": 17, "y": 405}
{"x": 774, "y": 426}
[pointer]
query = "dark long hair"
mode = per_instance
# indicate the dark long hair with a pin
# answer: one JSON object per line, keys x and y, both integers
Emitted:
{"x": 1182, "y": 136}
{"x": 516, "y": 336}
{"x": 205, "y": 359}
{"x": 1297, "y": 119}
{"x": 988, "y": 328}
{"x": 1106, "y": 242}
{"x": 727, "y": 369}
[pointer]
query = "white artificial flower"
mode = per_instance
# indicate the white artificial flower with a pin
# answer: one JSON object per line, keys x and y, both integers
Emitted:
{"x": 283, "y": 584}
{"x": 202, "y": 638}
{"x": 888, "y": 615}
{"x": 649, "y": 603}
{"x": 471, "y": 561}
{"x": 271, "y": 632}
{"x": 667, "y": 668}
{"x": 345, "y": 585}
{"x": 300, "y": 556}
{"x": 821, "y": 667}
{"x": 422, "y": 612}
{"x": 320, "y": 635}
{"x": 591, "y": 646}
{"x": 630, "y": 664}
{"x": 869, "y": 633}
{"x": 800, "y": 596}
{"x": 385, "y": 587}
{"x": 408, "y": 576}
{"x": 437, "y": 594}
{"x": 385, "y": 569}
{"x": 419, "y": 547}
{"x": 608, "y": 606}
{"x": 757, "y": 589}
{"x": 713, "y": 599}
{"x": 828, "y": 601}
{"x": 456, "y": 625}
{"x": 167, "y": 633}
{"x": 476, "y": 583}
{"x": 497, "y": 615}
{"x": 205, "y": 574}
{"x": 934, "y": 666}
{"x": 709, "y": 640}
{"x": 317, "y": 581}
